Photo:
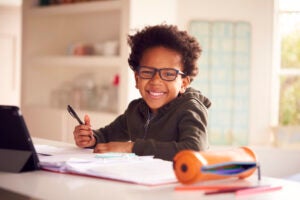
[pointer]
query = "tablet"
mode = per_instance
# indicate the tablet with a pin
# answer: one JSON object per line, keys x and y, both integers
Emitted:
{"x": 17, "y": 153}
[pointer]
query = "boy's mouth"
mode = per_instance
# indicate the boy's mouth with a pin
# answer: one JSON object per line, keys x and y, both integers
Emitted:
{"x": 156, "y": 94}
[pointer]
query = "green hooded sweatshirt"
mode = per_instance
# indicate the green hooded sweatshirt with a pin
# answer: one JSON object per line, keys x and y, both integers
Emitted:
{"x": 178, "y": 125}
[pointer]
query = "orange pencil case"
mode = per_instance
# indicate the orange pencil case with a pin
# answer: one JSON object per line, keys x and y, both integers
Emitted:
{"x": 191, "y": 166}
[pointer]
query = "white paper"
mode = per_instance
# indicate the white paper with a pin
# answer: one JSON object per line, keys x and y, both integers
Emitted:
{"x": 53, "y": 150}
{"x": 118, "y": 166}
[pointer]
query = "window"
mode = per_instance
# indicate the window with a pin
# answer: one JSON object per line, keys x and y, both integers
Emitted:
{"x": 288, "y": 75}
{"x": 224, "y": 78}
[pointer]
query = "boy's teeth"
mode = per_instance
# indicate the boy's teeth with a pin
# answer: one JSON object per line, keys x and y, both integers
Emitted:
{"x": 156, "y": 93}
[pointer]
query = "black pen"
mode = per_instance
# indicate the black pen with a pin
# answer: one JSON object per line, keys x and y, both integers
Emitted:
{"x": 74, "y": 114}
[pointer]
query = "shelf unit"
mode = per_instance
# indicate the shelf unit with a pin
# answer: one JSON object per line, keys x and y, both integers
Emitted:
{"x": 77, "y": 61}
{"x": 48, "y": 34}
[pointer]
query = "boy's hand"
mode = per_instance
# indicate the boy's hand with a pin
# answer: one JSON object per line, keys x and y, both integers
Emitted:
{"x": 122, "y": 147}
{"x": 83, "y": 134}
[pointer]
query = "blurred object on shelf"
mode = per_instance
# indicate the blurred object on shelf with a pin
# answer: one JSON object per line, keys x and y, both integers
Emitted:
{"x": 113, "y": 94}
{"x": 83, "y": 93}
{"x": 81, "y": 49}
{"x": 107, "y": 96}
{"x": 107, "y": 48}
{"x": 59, "y": 2}
{"x": 102, "y": 97}
{"x": 61, "y": 96}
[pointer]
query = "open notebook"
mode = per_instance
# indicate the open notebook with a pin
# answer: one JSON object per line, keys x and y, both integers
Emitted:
{"x": 125, "y": 167}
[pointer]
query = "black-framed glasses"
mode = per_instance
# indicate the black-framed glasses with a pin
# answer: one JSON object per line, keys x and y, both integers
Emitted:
{"x": 166, "y": 74}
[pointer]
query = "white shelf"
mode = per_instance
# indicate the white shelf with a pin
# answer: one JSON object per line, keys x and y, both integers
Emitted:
{"x": 76, "y": 61}
{"x": 80, "y": 112}
{"x": 77, "y": 8}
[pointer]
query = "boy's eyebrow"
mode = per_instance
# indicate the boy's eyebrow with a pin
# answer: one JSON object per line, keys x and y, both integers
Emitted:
{"x": 166, "y": 67}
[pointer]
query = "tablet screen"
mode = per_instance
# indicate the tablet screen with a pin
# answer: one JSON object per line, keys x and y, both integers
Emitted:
{"x": 15, "y": 137}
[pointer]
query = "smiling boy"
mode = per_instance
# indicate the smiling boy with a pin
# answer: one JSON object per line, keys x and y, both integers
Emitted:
{"x": 170, "y": 116}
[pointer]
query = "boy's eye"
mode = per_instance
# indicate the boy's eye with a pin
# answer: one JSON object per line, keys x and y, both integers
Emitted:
{"x": 169, "y": 73}
{"x": 146, "y": 73}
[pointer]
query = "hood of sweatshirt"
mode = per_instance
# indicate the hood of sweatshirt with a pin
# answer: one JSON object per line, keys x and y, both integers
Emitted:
{"x": 193, "y": 93}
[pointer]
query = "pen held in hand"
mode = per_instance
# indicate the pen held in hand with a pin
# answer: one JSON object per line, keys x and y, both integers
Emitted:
{"x": 74, "y": 114}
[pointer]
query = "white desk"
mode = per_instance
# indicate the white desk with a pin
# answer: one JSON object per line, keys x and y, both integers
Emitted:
{"x": 49, "y": 185}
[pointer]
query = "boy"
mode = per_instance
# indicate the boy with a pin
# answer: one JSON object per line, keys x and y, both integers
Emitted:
{"x": 170, "y": 116}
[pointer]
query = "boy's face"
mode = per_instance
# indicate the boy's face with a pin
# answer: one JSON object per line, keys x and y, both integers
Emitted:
{"x": 155, "y": 91}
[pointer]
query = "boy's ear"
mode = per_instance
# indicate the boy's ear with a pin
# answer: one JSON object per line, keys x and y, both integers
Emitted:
{"x": 185, "y": 83}
{"x": 136, "y": 79}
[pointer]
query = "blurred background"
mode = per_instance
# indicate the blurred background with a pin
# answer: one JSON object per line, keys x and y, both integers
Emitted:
{"x": 59, "y": 52}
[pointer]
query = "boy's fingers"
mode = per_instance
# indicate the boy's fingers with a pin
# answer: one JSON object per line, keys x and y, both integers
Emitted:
{"x": 87, "y": 120}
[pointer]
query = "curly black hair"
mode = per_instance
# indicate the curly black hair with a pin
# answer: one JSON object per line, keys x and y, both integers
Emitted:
{"x": 169, "y": 37}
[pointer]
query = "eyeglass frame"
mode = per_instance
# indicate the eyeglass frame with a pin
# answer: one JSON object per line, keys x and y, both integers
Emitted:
{"x": 155, "y": 70}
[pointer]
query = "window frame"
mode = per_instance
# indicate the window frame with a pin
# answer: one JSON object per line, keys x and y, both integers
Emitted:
{"x": 278, "y": 71}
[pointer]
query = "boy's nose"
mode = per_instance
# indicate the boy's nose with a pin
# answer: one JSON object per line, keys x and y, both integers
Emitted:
{"x": 156, "y": 77}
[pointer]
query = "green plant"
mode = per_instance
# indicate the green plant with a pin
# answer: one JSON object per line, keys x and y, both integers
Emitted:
{"x": 289, "y": 111}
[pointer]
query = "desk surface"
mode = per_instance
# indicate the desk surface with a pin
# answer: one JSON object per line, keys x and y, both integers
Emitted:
{"x": 48, "y": 185}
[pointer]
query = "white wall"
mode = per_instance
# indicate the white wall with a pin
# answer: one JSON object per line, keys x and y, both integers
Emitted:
{"x": 259, "y": 13}
{"x": 11, "y": 2}
{"x": 10, "y": 56}
{"x": 278, "y": 162}
{"x": 149, "y": 12}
